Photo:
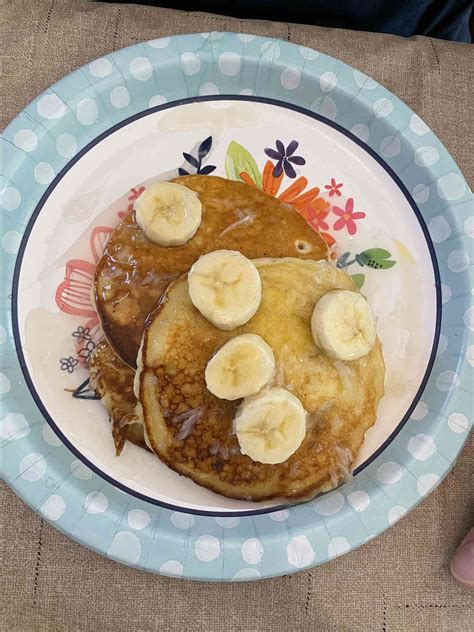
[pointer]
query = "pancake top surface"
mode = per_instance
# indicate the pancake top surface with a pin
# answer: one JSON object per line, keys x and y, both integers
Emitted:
{"x": 133, "y": 272}
{"x": 191, "y": 430}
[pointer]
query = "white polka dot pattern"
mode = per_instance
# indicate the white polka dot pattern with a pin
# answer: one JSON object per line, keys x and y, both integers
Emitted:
{"x": 279, "y": 516}
{"x": 300, "y": 552}
{"x": 32, "y": 467}
{"x": 141, "y": 68}
{"x": 447, "y": 380}
{"x": 81, "y": 471}
{"x": 358, "y": 500}
{"x": 44, "y": 173}
{"x": 421, "y": 447}
{"x": 382, "y": 108}
{"x": 53, "y": 507}
{"x": 361, "y": 131}
{"x": 329, "y": 504}
{"x": 451, "y": 187}
{"x": 426, "y": 156}
{"x": 190, "y": 63}
{"x": 458, "y": 423}
{"x": 5, "y": 384}
{"x": 325, "y": 106}
{"x": 87, "y": 112}
{"x": 126, "y": 547}
{"x": 101, "y": 67}
{"x": 458, "y": 261}
{"x": 338, "y": 546}
{"x": 439, "y": 229}
{"x": 138, "y": 519}
{"x": 420, "y": 412}
{"x": 328, "y": 81}
{"x": 172, "y": 567}
{"x": 26, "y": 140}
{"x": 155, "y": 100}
{"x": 417, "y": 126}
{"x": 421, "y": 193}
{"x": 50, "y": 437}
{"x": 228, "y": 523}
{"x": 229, "y": 64}
{"x": 247, "y": 573}
{"x": 252, "y": 551}
{"x": 120, "y": 97}
{"x": 426, "y": 482}
{"x": 96, "y": 503}
{"x": 208, "y": 88}
{"x": 290, "y": 78}
{"x": 163, "y": 42}
{"x": 390, "y": 147}
{"x": 468, "y": 318}
{"x": 395, "y": 513}
{"x": 11, "y": 243}
{"x": 51, "y": 107}
{"x": 14, "y": 426}
{"x": 182, "y": 520}
{"x": 66, "y": 145}
{"x": 389, "y": 473}
{"x": 10, "y": 199}
{"x": 207, "y": 548}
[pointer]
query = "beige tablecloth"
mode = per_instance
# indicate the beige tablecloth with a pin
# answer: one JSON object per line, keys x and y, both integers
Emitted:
{"x": 400, "y": 580}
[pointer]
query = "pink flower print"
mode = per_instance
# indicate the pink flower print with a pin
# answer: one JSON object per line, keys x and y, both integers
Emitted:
{"x": 135, "y": 193}
{"x": 333, "y": 188}
{"x": 347, "y": 217}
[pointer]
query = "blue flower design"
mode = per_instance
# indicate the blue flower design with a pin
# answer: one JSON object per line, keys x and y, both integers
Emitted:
{"x": 285, "y": 158}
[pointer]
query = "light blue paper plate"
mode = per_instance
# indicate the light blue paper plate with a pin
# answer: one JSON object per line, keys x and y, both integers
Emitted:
{"x": 57, "y": 129}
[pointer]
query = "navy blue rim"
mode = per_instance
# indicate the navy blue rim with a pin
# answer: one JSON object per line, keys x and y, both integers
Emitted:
{"x": 131, "y": 119}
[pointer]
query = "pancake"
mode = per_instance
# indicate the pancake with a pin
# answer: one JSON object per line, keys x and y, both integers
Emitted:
{"x": 133, "y": 272}
{"x": 191, "y": 430}
{"x": 112, "y": 380}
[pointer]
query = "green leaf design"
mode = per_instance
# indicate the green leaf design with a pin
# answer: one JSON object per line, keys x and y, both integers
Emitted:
{"x": 376, "y": 258}
{"x": 238, "y": 160}
{"x": 358, "y": 280}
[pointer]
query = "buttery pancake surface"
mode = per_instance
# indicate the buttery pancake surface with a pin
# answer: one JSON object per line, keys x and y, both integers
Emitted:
{"x": 192, "y": 430}
{"x": 134, "y": 272}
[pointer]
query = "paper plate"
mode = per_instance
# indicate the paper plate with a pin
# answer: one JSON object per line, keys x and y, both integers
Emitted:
{"x": 357, "y": 163}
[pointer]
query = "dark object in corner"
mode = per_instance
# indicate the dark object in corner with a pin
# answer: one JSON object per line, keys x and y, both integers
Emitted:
{"x": 443, "y": 19}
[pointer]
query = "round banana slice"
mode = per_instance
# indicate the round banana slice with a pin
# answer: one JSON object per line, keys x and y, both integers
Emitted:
{"x": 168, "y": 213}
{"x": 343, "y": 325}
{"x": 240, "y": 368}
{"x": 270, "y": 426}
{"x": 225, "y": 287}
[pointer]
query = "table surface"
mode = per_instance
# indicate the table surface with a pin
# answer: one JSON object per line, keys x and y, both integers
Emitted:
{"x": 398, "y": 581}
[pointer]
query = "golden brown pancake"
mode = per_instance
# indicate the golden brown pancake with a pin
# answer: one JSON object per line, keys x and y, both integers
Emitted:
{"x": 112, "y": 380}
{"x": 133, "y": 272}
{"x": 191, "y": 430}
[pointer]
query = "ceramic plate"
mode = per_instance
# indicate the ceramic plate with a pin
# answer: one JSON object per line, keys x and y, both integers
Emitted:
{"x": 364, "y": 170}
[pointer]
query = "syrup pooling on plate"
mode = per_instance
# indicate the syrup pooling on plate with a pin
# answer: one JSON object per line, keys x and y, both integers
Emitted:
{"x": 145, "y": 269}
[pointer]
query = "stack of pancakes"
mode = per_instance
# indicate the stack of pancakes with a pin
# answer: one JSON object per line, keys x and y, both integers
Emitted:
{"x": 142, "y": 298}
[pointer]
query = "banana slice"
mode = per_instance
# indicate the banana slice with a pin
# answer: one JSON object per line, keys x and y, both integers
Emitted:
{"x": 225, "y": 287}
{"x": 270, "y": 426}
{"x": 240, "y": 368}
{"x": 343, "y": 325}
{"x": 168, "y": 213}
